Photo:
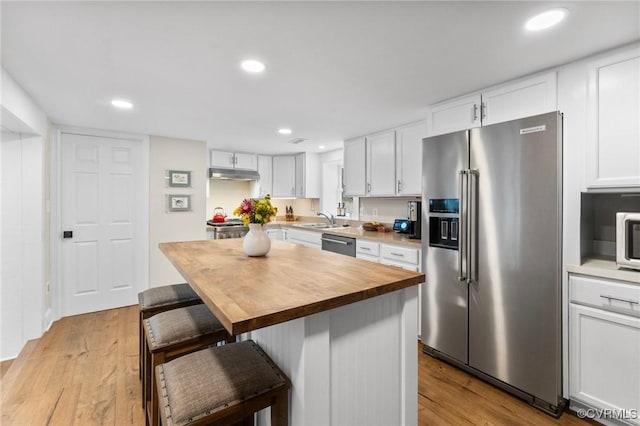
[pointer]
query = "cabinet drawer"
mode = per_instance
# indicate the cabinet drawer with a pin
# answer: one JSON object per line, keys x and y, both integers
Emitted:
{"x": 367, "y": 247}
{"x": 605, "y": 294}
{"x": 400, "y": 254}
{"x": 308, "y": 237}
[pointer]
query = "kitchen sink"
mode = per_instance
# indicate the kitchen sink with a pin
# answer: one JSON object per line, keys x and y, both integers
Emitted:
{"x": 318, "y": 225}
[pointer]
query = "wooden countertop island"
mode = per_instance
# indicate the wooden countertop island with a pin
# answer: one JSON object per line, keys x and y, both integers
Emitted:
{"x": 247, "y": 293}
{"x": 343, "y": 329}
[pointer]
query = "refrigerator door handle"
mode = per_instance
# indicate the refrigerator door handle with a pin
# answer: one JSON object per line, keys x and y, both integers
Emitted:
{"x": 472, "y": 245}
{"x": 462, "y": 231}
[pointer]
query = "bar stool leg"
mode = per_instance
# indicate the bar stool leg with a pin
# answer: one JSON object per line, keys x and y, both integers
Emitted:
{"x": 280, "y": 409}
{"x": 153, "y": 406}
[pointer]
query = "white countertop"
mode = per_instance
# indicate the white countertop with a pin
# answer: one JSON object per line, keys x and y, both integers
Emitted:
{"x": 605, "y": 268}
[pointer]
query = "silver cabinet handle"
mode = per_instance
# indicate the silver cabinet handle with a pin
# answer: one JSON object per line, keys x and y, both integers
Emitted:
{"x": 330, "y": 240}
{"x": 633, "y": 302}
{"x": 474, "y": 113}
{"x": 397, "y": 254}
{"x": 483, "y": 110}
{"x": 462, "y": 232}
{"x": 365, "y": 248}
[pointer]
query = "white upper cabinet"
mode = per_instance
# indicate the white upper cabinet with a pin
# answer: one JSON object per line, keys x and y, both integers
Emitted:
{"x": 386, "y": 163}
{"x": 409, "y": 158}
{"x": 457, "y": 114}
{"x": 246, "y": 161}
{"x": 355, "y": 167}
{"x": 222, "y": 159}
{"x": 523, "y": 98}
{"x": 233, "y": 160}
{"x": 613, "y": 125}
{"x": 296, "y": 176}
{"x": 517, "y": 99}
{"x": 307, "y": 175}
{"x": 284, "y": 176}
{"x": 265, "y": 184}
{"x": 381, "y": 169}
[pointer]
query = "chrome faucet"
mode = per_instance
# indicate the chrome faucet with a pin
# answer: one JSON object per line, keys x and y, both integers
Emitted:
{"x": 329, "y": 217}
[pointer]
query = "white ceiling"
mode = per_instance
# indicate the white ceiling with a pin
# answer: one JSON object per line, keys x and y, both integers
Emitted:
{"x": 335, "y": 70}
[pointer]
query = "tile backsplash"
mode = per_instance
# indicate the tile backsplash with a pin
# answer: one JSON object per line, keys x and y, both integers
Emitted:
{"x": 227, "y": 194}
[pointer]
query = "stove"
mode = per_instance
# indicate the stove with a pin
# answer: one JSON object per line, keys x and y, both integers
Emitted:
{"x": 231, "y": 228}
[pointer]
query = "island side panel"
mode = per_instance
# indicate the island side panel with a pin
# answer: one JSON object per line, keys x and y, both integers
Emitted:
{"x": 409, "y": 333}
{"x": 355, "y": 365}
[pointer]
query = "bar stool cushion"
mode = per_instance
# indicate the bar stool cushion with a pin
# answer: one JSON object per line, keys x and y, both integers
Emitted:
{"x": 166, "y": 295}
{"x": 214, "y": 379}
{"x": 171, "y": 327}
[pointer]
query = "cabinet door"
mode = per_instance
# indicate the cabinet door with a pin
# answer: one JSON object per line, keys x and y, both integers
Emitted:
{"x": 246, "y": 161}
{"x": 451, "y": 116}
{"x": 381, "y": 150}
{"x": 524, "y": 98}
{"x": 265, "y": 185}
{"x": 222, "y": 159}
{"x": 300, "y": 175}
{"x": 355, "y": 170}
{"x": 613, "y": 137}
{"x": 604, "y": 359}
{"x": 409, "y": 159}
{"x": 284, "y": 175}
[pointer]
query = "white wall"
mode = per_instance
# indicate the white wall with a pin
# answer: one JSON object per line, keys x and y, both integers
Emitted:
{"x": 22, "y": 218}
{"x": 21, "y": 111}
{"x": 174, "y": 154}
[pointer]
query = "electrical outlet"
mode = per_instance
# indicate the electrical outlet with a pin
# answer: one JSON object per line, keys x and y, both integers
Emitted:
{"x": 375, "y": 212}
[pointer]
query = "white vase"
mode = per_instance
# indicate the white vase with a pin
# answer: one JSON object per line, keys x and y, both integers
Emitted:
{"x": 256, "y": 242}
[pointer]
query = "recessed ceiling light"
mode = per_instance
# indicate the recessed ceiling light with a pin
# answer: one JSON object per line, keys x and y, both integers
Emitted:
{"x": 546, "y": 19}
{"x": 252, "y": 66}
{"x": 321, "y": 147}
{"x": 284, "y": 131}
{"x": 122, "y": 104}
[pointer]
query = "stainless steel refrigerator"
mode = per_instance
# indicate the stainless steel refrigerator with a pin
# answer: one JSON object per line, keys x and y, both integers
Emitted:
{"x": 492, "y": 205}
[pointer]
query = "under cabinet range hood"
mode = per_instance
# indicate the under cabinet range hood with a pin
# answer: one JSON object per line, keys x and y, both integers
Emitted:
{"x": 233, "y": 174}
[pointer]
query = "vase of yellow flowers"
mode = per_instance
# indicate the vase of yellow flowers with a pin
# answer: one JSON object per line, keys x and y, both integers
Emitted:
{"x": 256, "y": 213}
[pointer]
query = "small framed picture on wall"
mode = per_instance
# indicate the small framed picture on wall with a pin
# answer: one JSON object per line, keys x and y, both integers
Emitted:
{"x": 179, "y": 203}
{"x": 179, "y": 178}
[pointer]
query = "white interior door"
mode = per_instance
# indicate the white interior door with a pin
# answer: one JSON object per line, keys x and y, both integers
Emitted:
{"x": 103, "y": 193}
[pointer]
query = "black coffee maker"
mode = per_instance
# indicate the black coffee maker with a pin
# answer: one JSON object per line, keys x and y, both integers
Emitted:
{"x": 414, "y": 212}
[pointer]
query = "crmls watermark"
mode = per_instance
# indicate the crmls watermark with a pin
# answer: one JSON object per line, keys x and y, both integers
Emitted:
{"x": 607, "y": 413}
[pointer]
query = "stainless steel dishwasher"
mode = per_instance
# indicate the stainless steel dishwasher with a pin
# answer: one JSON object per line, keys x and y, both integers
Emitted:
{"x": 339, "y": 244}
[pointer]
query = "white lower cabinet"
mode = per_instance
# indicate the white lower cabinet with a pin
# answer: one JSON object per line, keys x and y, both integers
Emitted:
{"x": 403, "y": 257}
{"x": 275, "y": 234}
{"x": 304, "y": 238}
{"x": 604, "y": 347}
{"x": 368, "y": 250}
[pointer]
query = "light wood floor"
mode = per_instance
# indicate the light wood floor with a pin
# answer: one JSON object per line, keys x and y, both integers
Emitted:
{"x": 84, "y": 371}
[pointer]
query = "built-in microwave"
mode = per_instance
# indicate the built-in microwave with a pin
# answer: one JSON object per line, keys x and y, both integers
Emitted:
{"x": 628, "y": 240}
